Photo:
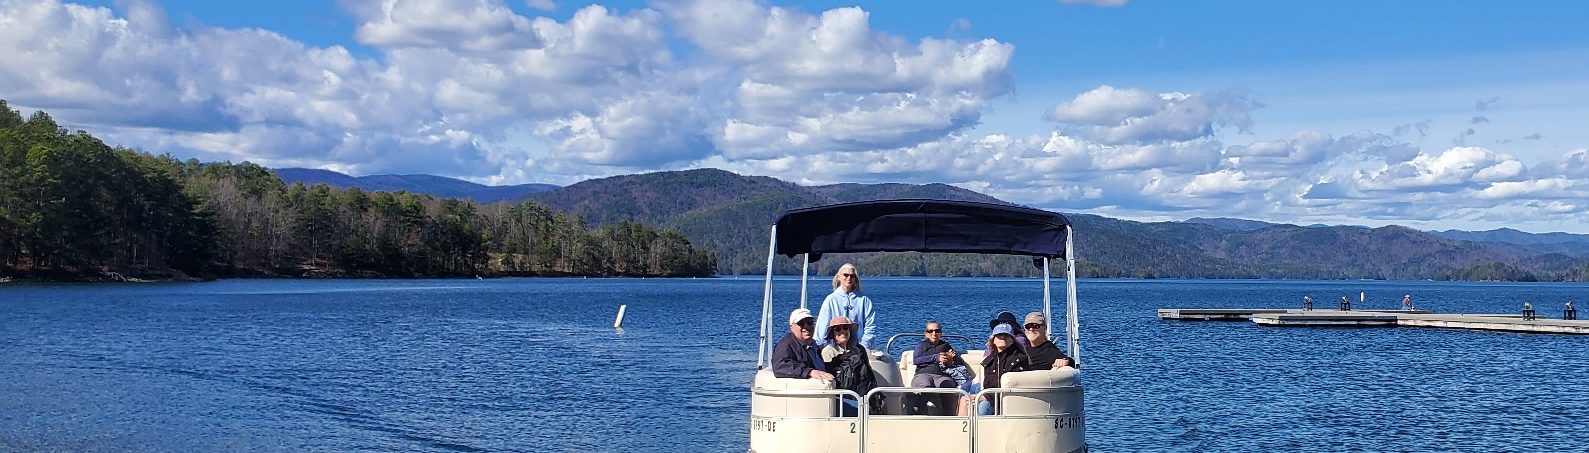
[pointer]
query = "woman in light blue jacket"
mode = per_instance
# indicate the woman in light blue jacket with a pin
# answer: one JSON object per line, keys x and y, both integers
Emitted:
{"x": 847, "y": 301}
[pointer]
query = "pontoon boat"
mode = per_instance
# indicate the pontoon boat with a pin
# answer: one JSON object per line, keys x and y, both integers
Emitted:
{"x": 1038, "y": 411}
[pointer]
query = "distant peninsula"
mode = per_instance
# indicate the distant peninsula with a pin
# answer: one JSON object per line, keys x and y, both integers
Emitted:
{"x": 74, "y": 208}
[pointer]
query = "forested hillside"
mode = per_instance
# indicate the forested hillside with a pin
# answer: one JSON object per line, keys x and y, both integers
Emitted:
{"x": 72, "y": 207}
{"x": 730, "y": 215}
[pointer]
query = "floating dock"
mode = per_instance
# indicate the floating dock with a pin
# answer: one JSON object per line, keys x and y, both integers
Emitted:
{"x": 1242, "y": 314}
{"x": 1379, "y": 318}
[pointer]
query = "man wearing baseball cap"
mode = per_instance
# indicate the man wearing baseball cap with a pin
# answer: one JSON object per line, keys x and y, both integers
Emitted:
{"x": 1042, "y": 353}
{"x": 793, "y": 356}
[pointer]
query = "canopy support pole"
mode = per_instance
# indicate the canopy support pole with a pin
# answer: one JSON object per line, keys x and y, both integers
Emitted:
{"x": 805, "y": 266}
{"x": 766, "y": 302}
{"x": 1072, "y": 324}
{"x": 1048, "y": 311}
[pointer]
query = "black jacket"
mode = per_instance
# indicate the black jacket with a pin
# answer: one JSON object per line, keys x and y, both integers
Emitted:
{"x": 853, "y": 370}
{"x": 1043, "y": 356}
{"x": 1011, "y": 360}
{"x": 926, "y": 357}
{"x": 791, "y": 358}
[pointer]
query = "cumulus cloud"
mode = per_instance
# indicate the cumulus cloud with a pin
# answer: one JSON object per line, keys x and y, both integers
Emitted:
{"x": 476, "y": 25}
{"x": 1450, "y": 170}
{"x": 830, "y": 82}
{"x": 1546, "y": 188}
{"x": 445, "y": 85}
{"x": 1111, "y": 115}
{"x": 470, "y": 88}
{"x": 1573, "y": 164}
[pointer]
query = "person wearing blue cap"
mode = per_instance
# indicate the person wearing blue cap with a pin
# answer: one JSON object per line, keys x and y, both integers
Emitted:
{"x": 1007, "y": 357}
{"x": 1007, "y": 319}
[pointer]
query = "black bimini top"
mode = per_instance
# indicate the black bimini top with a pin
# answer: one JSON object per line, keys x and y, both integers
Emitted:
{"x": 922, "y": 226}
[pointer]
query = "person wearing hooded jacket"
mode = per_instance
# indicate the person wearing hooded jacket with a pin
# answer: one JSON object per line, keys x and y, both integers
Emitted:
{"x": 1007, "y": 357}
{"x": 848, "y": 361}
{"x": 846, "y": 300}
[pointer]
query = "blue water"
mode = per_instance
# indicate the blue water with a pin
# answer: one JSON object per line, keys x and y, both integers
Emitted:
{"x": 533, "y": 364}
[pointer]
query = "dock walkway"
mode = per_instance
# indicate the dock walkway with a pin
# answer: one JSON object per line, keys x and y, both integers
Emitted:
{"x": 1381, "y": 318}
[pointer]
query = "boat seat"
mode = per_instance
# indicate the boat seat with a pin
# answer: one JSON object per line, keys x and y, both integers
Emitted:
{"x": 1042, "y": 403}
{"x": 791, "y": 406}
{"x": 907, "y": 370}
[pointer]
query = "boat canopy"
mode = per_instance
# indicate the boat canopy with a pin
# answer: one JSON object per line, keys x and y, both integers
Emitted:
{"x": 921, "y": 226}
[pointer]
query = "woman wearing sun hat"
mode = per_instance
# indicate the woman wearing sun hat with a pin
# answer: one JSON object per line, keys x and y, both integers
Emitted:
{"x": 847, "y": 360}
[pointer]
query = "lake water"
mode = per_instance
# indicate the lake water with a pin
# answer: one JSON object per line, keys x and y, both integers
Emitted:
{"x": 533, "y": 364}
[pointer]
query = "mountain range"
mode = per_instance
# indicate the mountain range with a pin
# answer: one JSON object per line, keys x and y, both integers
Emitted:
{"x": 440, "y": 186}
{"x": 729, "y": 214}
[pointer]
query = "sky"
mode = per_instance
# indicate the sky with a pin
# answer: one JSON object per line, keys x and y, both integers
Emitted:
{"x": 1430, "y": 114}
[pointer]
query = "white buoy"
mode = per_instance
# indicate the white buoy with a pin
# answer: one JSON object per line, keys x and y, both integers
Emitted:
{"x": 1362, "y": 297}
{"x": 618, "y": 323}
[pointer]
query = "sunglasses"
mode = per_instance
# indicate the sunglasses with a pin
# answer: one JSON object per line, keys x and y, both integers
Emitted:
{"x": 847, "y": 275}
{"x": 807, "y": 323}
{"x": 934, "y": 330}
{"x": 1034, "y": 326}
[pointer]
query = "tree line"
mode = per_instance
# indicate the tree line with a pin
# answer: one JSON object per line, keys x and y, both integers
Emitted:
{"x": 72, "y": 207}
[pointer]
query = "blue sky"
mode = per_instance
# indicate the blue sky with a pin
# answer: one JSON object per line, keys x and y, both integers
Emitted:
{"x": 1453, "y": 114}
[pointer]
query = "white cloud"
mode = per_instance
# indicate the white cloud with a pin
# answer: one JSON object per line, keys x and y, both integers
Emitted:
{"x": 1450, "y": 170}
{"x": 1115, "y": 116}
{"x": 830, "y": 82}
{"x": 1574, "y": 164}
{"x": 470, "y": 88}
{"x": 1539, "y": 188}
{"x": 1225, "y": 182}
{"x": 475, "y": 25}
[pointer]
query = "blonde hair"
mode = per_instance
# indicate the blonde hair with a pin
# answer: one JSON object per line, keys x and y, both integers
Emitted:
{"x": 839, "y": 281}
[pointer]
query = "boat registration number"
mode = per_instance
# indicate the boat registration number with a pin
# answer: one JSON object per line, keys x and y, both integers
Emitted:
{"x": 762, "y": 424}
{"x": 1073, "y": 421}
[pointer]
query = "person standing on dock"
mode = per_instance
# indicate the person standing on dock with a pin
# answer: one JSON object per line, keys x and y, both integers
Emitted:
{"x": 1307, "y": 302}
{"x": 1406, "y": 302}
{"x": 1346, "y": 303}
{"x": 1528, "y": 311}
{"x": 1569, "y": 312}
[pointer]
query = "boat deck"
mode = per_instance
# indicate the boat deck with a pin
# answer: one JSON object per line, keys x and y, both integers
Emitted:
{"x": 1381, "y": 318}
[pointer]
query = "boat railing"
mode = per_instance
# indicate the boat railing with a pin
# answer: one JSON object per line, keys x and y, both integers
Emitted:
{"x": 866, "y": 415}
{"x": 889, "y": 347}
{"x": 992, "y": 393}
{"x": 837, "y": 394}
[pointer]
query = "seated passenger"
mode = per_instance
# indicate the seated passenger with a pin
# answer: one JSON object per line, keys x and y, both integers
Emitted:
{"x": 1008, "y": 319}
{"x": 1042, "y": 353}
{"x": 848, "y": 361}
{"x": 1007, "y": 357}
{"x": 938, "y": 365}
{"x": 792, "y": 357}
